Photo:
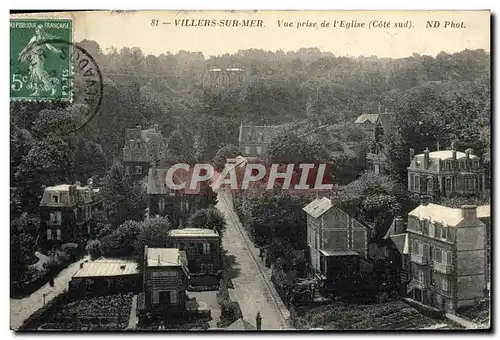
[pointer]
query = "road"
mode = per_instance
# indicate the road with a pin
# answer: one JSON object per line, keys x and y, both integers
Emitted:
{"x": 22, "y": 309}
{"x": 250, "y": 288}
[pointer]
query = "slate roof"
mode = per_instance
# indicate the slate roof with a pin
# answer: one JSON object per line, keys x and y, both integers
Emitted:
{"x": 434, "y": 158}
{"x": 107, "y": 268}
{"x": 166, "y": 257}
{"x": 156, "y": 183}
{"x": 401, "y": 242}
{"x": 318, "y": 207}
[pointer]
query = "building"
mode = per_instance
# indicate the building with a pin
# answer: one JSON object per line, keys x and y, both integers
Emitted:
{"x": 484, "y": 214}
{"x": 375, "y": 126}
{"x": 445, "y": 173}
{"x": 142, "y": 147}
{"x": 217, "y": 77}
{"x": 447, "y": 249}
{"x": 254, "y": 140}
{"x": 203, "y": 252}
{"x": 335, "y": 240}
{"x": 165, "y": 279}
{"x": 104, "y": 277}
{"x": 180, "y": 204}
{"x": 65, "y": 212}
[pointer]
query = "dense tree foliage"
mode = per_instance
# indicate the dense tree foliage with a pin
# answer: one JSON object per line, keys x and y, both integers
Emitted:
{"x": 122, "y": 241}
{"x": 227, "y": 151}
{"x": 208, "y": 218}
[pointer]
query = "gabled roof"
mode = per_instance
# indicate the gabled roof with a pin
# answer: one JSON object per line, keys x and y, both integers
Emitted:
{"x": 318, "y": 207}
{"x": 156, "y": 183}
{"x": 371, "y": 117}
{"x": 401, "y": 242}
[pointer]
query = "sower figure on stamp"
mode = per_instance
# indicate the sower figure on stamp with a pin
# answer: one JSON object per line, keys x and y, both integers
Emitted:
{"x": 34, "y": 54}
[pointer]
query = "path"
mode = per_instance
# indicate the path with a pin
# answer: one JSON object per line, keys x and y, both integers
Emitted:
{"x": 462, "y": 321}
{"x": 251, "y": 290}
{"x": 22, "y": 309}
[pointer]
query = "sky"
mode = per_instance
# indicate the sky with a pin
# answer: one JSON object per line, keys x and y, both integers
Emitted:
{"x": 471, "y": 30}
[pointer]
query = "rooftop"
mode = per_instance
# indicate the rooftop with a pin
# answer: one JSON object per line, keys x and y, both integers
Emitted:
{"x": 483, "y": 211}
{"x": 446, "y": 154}
{"x": 401, "y": 242}
{"x": 106, "y": 268}
{"x": 166, "y": 257}
{"x": 318, "y": 207}
{"x": 440, "y": 214}
{"x": 331, "y": 252}
{"x": 193, "y": 232}
{"x": 65, "y": 187}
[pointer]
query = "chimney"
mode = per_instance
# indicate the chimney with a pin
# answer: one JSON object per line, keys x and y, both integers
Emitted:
{"x": 426, "y": 158}
{"x": 425, "y": 199}
{"x": 412, "y": 153}
{"x": 399, "y": 225}
{"x": 159, "y": 260}
{"x": 437, "y": 146}
{"x": 468, "y": 152}
{"x": 469, "y": 212}
{"x": 454, "y": 154}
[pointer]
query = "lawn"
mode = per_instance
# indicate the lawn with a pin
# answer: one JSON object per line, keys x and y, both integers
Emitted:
{"x": 380, "y": 316}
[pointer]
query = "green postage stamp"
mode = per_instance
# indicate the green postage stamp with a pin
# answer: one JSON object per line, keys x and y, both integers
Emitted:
{"x": 40, "y": 63}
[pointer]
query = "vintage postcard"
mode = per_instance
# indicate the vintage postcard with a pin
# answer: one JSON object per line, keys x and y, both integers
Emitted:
{"x": 250, "y": 170}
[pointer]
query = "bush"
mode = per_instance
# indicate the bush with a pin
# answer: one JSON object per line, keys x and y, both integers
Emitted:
{"x": 93, "y": 248}
{"x": 71, "y": 249}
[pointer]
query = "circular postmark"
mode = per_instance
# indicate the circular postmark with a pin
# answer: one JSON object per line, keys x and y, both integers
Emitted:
{"x": 73, "y": 76}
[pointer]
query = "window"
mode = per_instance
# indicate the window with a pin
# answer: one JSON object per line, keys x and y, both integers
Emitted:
{"x": 181, "y": 246}
{"x": 55, "y": 199}
{"x": 475, "y": 164}
{"x": 448, "y": 184}
{"x": 447, "y": 166}
{"x": 191, "y": 250}
{"x": 444, "y": 283}
{"x": 258, "y": 149}
{"x": 138, "y": 170}
{"x": 417, "y": 183}
{"x": 461, "y": 165}
{"x": 55, "y": 217}
{"x": 431, "y": 229}
{"x": 247, "y": 150}
{"x": 444, "y": 232}
{"x": 206, "y": 248}
{"x": 161, "y": 204}
{"x": 438, "y": 255}
{"x": 207, "y": 268}
{"x": 425, "y": 227}
{"x": 164, "y": 273}
{"x": 412, "y": 182}
{"x": 420, "y": 276}
{"x": 76, "y": 213}
{"x": 59, "y": 234}
{"x": 49, "y": 234}
{"x": 438, "y": 230}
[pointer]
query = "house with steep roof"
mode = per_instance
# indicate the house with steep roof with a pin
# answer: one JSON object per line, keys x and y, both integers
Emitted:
{"x": 142, "y": 148}
{"x": 65, "y": 212}
{"x": 448, "y": 253}
{"x": 254, "y": 140}
{"x": 336, "y": 241}
{"x": 445, "y": 173}
{"x": 179, "y": 204}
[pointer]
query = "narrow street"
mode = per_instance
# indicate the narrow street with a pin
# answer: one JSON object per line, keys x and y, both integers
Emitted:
{"x": 251, "y": 290}
{"x": 22, "y": 309}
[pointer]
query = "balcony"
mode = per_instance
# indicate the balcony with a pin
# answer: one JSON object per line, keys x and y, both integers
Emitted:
{"x": 442, "y": 268}
{"x": 419, "y": 259}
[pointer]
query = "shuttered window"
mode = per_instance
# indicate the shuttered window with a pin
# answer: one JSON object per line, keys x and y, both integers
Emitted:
{"x": 438, "y": 255}
{"x": 156, "y": 297}
{"x": 173, "y": 296}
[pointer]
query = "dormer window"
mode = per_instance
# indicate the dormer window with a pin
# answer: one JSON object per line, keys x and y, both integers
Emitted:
{"x": 55, "y": 199}
{"x": 447, "y": 166}
{"x": 475, "y": 164}
{"x": 462, "y": 165}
